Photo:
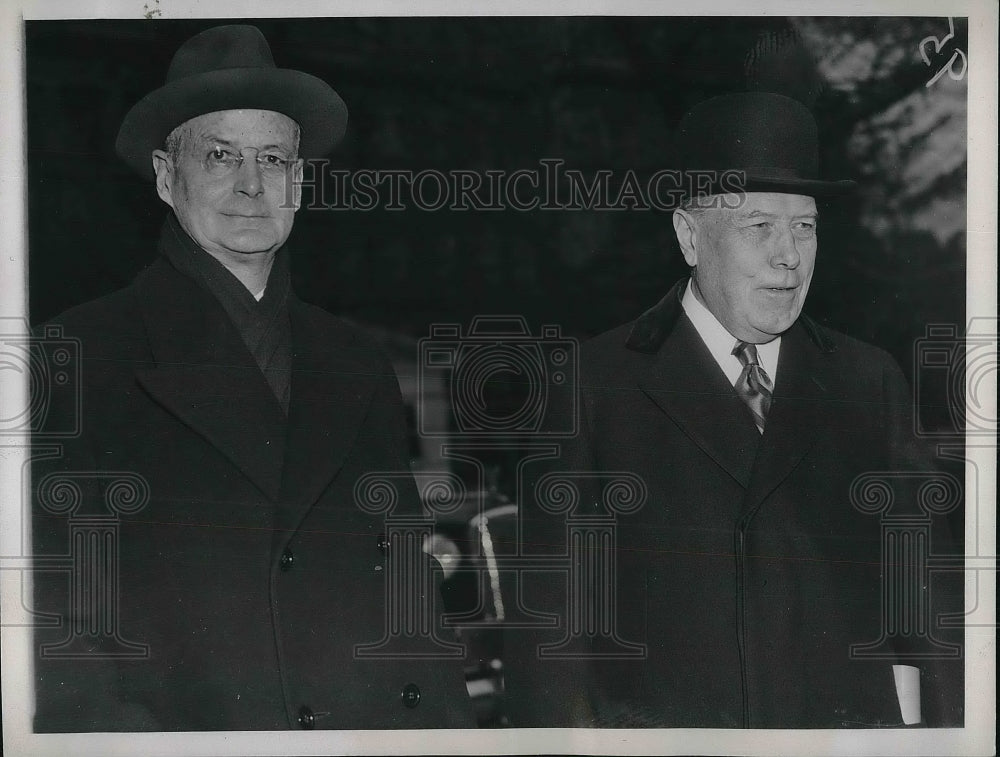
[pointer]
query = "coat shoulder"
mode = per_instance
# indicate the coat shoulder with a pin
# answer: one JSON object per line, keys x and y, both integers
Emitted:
{"x": 609, "y": 351}
{"x": 611, "y": 358}
{"x": 860, "y": 356}
{"x": 114, "y": 312}
{"x": 109, "y": 328}
{"x": 339, "y": 337}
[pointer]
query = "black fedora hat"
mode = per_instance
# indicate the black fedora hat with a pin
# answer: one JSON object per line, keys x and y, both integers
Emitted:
{"x": 230, "y": 68}
{"x": 751, "y": 142}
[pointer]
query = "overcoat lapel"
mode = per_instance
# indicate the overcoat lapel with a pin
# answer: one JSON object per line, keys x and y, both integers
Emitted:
{"x": 801, "y": 408}
{"x": 684, "y": 380}
{"x": 330, "y": 397}
{"x": 689, "y": 386}
{"x": 204, "y": 375}
{"x": 686, "y": 383}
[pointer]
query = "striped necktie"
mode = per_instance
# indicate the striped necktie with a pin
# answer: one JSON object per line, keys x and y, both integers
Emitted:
{"x": 754, "y": 385}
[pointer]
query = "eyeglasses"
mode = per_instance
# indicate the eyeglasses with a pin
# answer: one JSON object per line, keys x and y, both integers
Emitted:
{"x": 221, "y": 162}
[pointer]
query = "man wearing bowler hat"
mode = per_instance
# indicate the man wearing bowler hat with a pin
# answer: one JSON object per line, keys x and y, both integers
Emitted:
{"x": 244, "y": 588}
{"x": 749, "y": 573}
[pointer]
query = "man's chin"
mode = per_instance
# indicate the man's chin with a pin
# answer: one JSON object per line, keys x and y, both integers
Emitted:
{"x": 251, "y": 244}
{"x": 774, "y": 325}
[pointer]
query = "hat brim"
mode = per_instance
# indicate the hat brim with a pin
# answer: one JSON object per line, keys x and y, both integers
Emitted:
{"x": 731, "y": 181}
{"x": 319, "y": 111}
{"x": 809, "y": 187}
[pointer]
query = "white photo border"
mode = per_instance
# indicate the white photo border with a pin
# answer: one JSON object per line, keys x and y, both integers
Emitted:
{"x": 978, "y": 736}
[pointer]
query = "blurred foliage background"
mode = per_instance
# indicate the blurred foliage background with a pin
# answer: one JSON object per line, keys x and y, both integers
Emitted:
{"x": 502, "y": 94}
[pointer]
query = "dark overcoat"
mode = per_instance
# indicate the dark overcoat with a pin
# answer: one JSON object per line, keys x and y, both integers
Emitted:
{"x": 750, "y": 570}
{"x": 248, "y": 579}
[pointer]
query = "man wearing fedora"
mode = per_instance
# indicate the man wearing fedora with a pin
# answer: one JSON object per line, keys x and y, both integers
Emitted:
{"x": 244, "y": 581}
{"x": 749, "y": 573}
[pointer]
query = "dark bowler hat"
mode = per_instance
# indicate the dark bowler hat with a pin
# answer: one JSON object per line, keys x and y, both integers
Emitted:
{"x": 230, "y": 68}
{"x": 751, "y": 142}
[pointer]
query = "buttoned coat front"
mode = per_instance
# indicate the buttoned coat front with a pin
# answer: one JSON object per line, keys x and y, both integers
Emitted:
{"x": 249, "y": 582}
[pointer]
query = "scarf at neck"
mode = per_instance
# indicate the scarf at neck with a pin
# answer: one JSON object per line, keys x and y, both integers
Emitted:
{"x": 264, "y": 326}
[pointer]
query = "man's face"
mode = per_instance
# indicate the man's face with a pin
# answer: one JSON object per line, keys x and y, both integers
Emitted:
{"x": 754, "y": 255}
{"x": 233, "y": 207}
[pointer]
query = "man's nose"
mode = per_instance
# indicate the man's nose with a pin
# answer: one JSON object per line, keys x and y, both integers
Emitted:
{"x": 786, "y": 252}
{"x": 248, "y": 178}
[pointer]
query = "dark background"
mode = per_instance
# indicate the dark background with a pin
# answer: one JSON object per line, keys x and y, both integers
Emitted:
{"x": 480, "y": 94}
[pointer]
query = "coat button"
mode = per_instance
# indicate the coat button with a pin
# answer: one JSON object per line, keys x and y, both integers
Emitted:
{"x": 287, "y": 558}
{"x": 307, "y": 719}
{"x": 411, "y": 695}
{"x": 383, "y": 543}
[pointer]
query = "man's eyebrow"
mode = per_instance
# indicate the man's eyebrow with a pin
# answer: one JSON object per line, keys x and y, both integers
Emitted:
{"x": 213, "y": 138}
{"x": 225, "y": 142}
{"x": 754, "y": 214}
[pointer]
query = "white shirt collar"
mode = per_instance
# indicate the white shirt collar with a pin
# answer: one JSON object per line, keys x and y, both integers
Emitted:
{"x": 720, "y": 342}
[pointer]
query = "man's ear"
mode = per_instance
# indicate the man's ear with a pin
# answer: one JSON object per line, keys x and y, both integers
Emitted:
{"x": 297, "y": 183}
{"x": 686, "y": 229}
{"x": 164, "y": 171}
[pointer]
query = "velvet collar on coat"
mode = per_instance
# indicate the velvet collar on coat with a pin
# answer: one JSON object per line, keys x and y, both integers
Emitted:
{"x": 684, "y": 381}
{"x": 653, "y": 327}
